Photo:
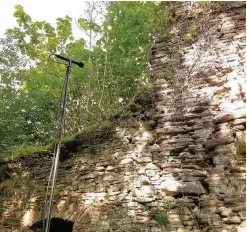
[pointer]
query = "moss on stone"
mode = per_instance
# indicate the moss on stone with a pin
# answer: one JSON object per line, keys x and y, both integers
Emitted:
{"x": 87, "y": 130}
{"x": 16, "y": 152}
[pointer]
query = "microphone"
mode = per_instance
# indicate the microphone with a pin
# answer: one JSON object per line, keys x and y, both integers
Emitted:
{"x": 80, "y": 64}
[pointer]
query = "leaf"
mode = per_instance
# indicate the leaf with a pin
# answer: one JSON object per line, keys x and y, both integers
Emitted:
{"x": 83, "y": 23}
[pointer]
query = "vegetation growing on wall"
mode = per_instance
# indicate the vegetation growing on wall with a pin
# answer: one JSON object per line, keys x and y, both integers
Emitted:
{"x": 116, "y": 66}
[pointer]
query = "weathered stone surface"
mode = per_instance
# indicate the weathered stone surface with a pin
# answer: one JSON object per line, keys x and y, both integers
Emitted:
{"x": 224, "y": 133}
{"x": 144, "y": 159}
{"x": 171, "y": 187}
{"x": 193, "y": 187}
{"x": 234, "y": 219}
{"x": 218, "y": 142}
{"x": 230, "y": 116}
{"x": 145, "y": 191}
{"x": 225, "y": 212}
{"x": 91, "y": 175}
{"x": 170, "y": 130}
{"x": 126, "y": 161}
{"x": 239, "y": 121}
{"x": 170, "y": 165}
{"x": 151, "y": 166}
{"x": 241, "y": 142}
{"x": 150, "y": 173}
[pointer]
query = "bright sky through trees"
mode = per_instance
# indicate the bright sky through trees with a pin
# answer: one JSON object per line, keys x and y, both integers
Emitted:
{"x": 42, "y": 10}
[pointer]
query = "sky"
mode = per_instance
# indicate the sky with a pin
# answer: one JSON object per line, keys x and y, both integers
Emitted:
{"x": 42, "y": 10}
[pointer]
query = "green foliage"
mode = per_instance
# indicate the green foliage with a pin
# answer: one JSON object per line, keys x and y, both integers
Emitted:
{"x": 115, "y": 69}
{"x": 64, "y": 30}
{"x": 128, "y": 36}
{"x": 162, "y": 218}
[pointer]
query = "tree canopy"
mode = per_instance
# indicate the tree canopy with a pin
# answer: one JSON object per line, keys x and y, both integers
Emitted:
{"x": 115, "y": 51}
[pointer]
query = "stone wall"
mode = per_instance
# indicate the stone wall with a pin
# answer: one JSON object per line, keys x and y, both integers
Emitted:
{"x": 177, "y": 165}
{"x": 200, "y": 81}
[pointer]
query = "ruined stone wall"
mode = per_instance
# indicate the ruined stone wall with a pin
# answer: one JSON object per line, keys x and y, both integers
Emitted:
{"x": 200, "y": 86}
{"x": 177, "y": 165}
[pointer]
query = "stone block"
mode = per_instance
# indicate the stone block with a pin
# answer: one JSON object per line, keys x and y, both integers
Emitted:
{"x": 241, "y": 142}
{"x": 144, "y": 199}
{"x": 218, "y": 142}
{"x": 183, "y": 230}
{"x": 240, "y": 35}
{"x": 224, "y": 150}
{"x": 193, "y": 187}
{"x": 91, "y": 175}
{"x": 224, "y": 133}
{"x": 232, "y": 220}
{"x": 226, "y": 212}
{"x": 144, "y": 159}
{"x": 151, "y": 166}
{"x": 174, "y": 219}
{"x": 242, "y": 215}
{"x": 126, "y": 161}
{"x": 170, "y": 165}
{"x": 230, "y": 116}
{"x": 170, "y": 130}
{"x": 171, "y": 187}
{"x": 150, "y": 173}
{"x": 189, "y": 223}
{"x": 239, "y": 121}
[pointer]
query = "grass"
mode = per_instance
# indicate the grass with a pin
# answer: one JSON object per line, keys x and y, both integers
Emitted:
{"x": 162, "y": 218}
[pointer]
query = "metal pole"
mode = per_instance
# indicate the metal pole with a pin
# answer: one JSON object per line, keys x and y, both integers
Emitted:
{"x": 58, "y": 149}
